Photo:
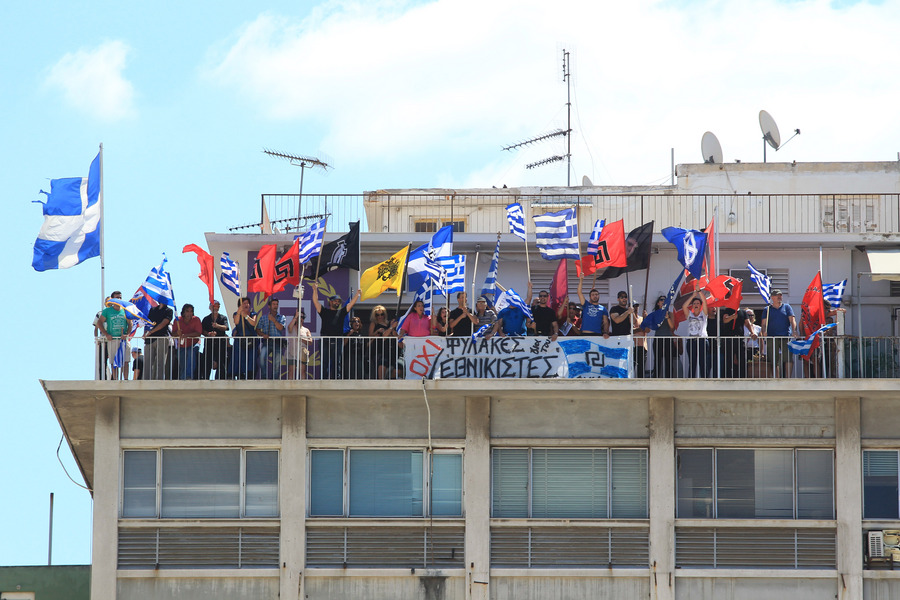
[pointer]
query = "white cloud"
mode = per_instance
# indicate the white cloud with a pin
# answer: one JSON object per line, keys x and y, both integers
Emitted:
{"x": 92, "y": 82}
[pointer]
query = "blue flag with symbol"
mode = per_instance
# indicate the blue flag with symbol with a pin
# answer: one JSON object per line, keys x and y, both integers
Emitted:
{"x": 691, "y": 246}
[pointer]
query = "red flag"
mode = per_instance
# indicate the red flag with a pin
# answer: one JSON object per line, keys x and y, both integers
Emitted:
{"x": 586, "y": 265}
{"x": 812, "y": 312}
{"x": 559, "y": 286}
{"x": 611, "y": 246}
{"x": 207, "y": 271}
{"x": 262, "y": 277}
{"x": 725, "y": 291}
{"x": 287, "y": 269}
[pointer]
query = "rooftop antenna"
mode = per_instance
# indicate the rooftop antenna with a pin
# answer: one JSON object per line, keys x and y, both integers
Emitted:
{"x": 304, "y": 162}
{"x": 711, "y": 149}
{"x": 567, "y": 77}
{"x": 771, "y": 135}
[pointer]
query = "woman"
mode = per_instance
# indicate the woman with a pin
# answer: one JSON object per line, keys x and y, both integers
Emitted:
{"x": 697, "y": 313}
{"x": 383, "y": 345}
{"x": 752, "y": 332}
{"x": 244, "y": 335}
{"x": 188, "y": 329}
{"x": 439, "y": 322}
{"x": 299, "y": 338}
{"x": 417, "y": 324}
{"x": 355, "y": 363}
{"x": 665, "y": 348}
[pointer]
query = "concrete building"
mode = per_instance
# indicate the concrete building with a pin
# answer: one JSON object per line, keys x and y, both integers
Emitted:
{"x": 56, "y": 582}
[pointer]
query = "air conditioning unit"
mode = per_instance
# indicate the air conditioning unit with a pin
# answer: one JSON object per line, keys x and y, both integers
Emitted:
{"x": 884, "y": 544}
{"x": 876, "y": 544}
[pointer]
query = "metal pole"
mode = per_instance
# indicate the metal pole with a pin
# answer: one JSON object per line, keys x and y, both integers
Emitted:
{"x": 300, "y": 197}
{"x": 102, "y": 223}
{"x": 50, "y": 543}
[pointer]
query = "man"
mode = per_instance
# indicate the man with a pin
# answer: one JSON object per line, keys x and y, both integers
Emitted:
{"x": 483, "y": 314}
{"x": 620, "y": 316}
{"x": 732, "y": 329}
{"x": 461, "y": 318}
{"x": 511, "y": 321}
{"x": 215, "y": 347}
{"x": 113, "y": 325}
{"x": 572, "y": 326}
{"x": 138, "y": 360}
{"x": 779, "y": 322}
{"x": 273, "y": 326}
{"x": 157, "y": 340}
{"x": 332, "y": 331}
{"x": 99, "y": 341}
{"x": 545, "y": 319}
{"x": 594, "y": 316}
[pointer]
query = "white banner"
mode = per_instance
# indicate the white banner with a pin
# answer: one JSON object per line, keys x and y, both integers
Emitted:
{"x": 517, "y": 357}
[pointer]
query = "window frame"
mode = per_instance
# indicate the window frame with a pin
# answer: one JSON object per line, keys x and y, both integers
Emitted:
{"x": 460, "y": 224}
{"x": 863, "y": 482}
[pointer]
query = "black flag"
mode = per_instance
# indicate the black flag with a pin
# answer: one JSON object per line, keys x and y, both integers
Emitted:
{"x": 638, "y": 246}
{"x": 342, "y": 253}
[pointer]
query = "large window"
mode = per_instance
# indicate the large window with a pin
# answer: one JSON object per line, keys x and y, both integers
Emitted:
{"x": 765, "y": 483}
{"x": 384, "y": 483}
{"x": 880, "y": 486}
{"x": 569, "y": 483}
{"x": 190, "y": 483}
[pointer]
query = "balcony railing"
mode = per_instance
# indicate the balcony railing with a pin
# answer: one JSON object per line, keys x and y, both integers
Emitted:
{"x": 358, "y": 358}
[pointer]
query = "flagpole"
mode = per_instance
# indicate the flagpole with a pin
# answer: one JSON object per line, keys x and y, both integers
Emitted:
{"x": 474, "y": 275}
{"x": 319, "y": 259}
{"x": 403, "y": 280}
{"x": 102, "y": 223}
{"x": 527, "y": 260}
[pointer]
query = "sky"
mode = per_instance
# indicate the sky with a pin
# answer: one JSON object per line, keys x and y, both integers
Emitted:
{"x": 184, "y": 96}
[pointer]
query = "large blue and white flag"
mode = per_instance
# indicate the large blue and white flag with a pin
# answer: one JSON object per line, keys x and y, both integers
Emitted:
{"x": 423, "y": 265}
{"x": 833, "y": 293}
{"x": 691, "y": 246}
{"x": 231, "y": 274}
{"x": 132, "y": 312}
{"x": 516, "y": 218}
{"x": 157, "y": 289}
{"x": 656, "y": 318}
{"x": 804, "y": 346}
{"x": 482, "y": 331}
{"x": 762, "y": 281}
{"x": 511, "y": 298}
{"x": 71, "y": 230}
{"x": 455, "y": 268}
{"x": 556, "y": 234}
{"x": 596, "y": 357}
{"x": 311, "y": 242}
{"x": 425, "y": 295}
{"x": 489, "y": 289}
{"x": 594, "y": 243}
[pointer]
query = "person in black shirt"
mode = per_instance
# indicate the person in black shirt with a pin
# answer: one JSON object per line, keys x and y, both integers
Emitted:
{"x": 461, "y": 318}
{"x": 158, "y": 344}
{"x": 620, "y": 316}
{"x": 332, "y": 330}
{"x": 215, "y": 346}
{"x": 545, "y": 320}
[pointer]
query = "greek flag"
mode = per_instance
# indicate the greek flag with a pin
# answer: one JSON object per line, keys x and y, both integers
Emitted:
{"x": 455, "y": 268}
{"x": 424, "y": 294}
{"x": 119, "y": 358}
{"x": 231, "y": 274}
{"x": 804, "y": 346}
{"x": 833, "y": 292}
{"x": 489, "y": 289}
{"x": 157, "y": 289}
{"x": 71, "y": 230}
{"x": 762, "y": 282}
{"x": 423, "y": 265}
{"x": 516, "y": 219}
{"x": 594, "y": 242}
{"x": 511, "y": 298}
{"x": 482, "y": 331}
{"x": 557, "y": 234}
{"x": 132, "y": 312}
{"x": 311, "y": 242}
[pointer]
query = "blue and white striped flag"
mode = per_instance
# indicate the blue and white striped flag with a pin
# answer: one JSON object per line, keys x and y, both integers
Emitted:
{"x": 482, "y": 331}
{"x": 594, "y": 243}
{"x": 119, "y": 358}
{"x": 557, "y": 234}
{"x": 833, "y": 292}
{"x": 231, "y": 274}
{"x": 455, "y": 268}
{"x": 423, "y": 265}
{"x": 511, "y": 298}
{"x": 424, "y": 294}
{"x": 489, "y": 289}
{"x": 132, "y": 312}
{"x": 157, "y": 289}
{"x": 311, "y": 242}
{"x": 762, "y": 282}
{"x": 71, "y": 230}
{"x": 804, "y": 346}
{"x": 516, "y": 219}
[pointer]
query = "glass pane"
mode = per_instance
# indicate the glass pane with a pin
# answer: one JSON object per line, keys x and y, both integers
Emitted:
{"x": 695, "y": 475}
{"x": 628, "y": 494}
{"x": 201, "y": 483}
{"x": 326, "y": 483}
{"x": 139, "y": 485}
{"x": 880, "y": 484}
{"x": 446, "y": 485}
{"x": 569, "y": 483}
{"x": 509, "y": 482}
{"x": 262, "y": 484}
{"x": 386, "y": 483}
{"x": 755, "y": 484}
{"x": 815, "y": 484}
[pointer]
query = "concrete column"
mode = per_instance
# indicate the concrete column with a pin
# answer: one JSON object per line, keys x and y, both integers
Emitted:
{"x": 105, "y": 485}
{"x": 662, "y": 498}
{"x": 848, "y": 497}
{"x": 477, "y": 469}
{"x": 292, "y": 487}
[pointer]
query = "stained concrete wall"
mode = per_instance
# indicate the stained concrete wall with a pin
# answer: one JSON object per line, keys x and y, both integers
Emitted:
{"x": 172, "y": 588}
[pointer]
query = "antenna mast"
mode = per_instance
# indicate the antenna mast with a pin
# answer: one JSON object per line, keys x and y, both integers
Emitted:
{"x": 304, "y": 162}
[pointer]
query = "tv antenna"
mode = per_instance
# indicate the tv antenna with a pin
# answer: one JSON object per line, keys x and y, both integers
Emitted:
{"x": 711, "y": 148}
{"x": 567, "y": 77}
{"x": 771, "y": 135}
{"x": 304, "y": 162}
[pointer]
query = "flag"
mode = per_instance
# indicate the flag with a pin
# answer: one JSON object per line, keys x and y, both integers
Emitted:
{"x": 156, "y": 289}
{"x": 691, "y": 244}
{"x": 311, "y": 242}
{"x": 516, "y": 219}
{"x": 709, "y": 257}
{"x": 231, "y": 274}
{"x": 559, "y": 288}
{"x": 71, "y": 230}
{"x": 638, "y": 249}
{"x": 287, "y": 268}
{"x": 132, "y": 312}
{"x": 834, "y": 292}
{"x": 482, "y": 331}
{"x": 422, "y": 261}
{"x": 804, "y": 347}
{"x": 489, "y": 289}
{"x": 455, "y": 268}
{"x": 594, "y": 241}
{"x": 207, "y": 271}
{"x": 119, "y": 358}
{"x": 261, "y": 279}
{"x": 724, "y": 291}
{"x": 557, "y": 234}
{"x": 610, "y": 251}
{"x": 511, "y": 298}
{"x": 763, "y": 283}
{"x": 342, "y": 253}
{"x": 424, "y": 294}
{"x": 387, "y": 275}
{"x": 812, "y": 311}
{"x": 656, "y": 318}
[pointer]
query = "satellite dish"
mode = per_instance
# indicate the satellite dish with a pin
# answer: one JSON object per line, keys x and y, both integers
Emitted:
{"x": 586, "y": 181}
{"x": 711, "y": 149}
{"x": 769, "y": 129}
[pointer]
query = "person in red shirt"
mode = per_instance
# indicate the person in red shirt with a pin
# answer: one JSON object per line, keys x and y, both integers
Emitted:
{"x": 188, "y": 328}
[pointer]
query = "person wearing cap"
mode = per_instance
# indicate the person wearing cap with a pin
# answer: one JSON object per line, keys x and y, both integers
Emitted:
{"x": 215, "y": 343}
{"x": 243, "y": 357}
{"x": 665, "y": 344}
{"x": 332, "y": 330}
{"x": 299, "y": 339}
{"x": 779, "y": 324}
{"x": 594, "y": 316}
{"x": 483, "y": 314}
{"x": 620, "y": 316}
{"x": 113, "y": 325}
{"x": 137, "y": 360}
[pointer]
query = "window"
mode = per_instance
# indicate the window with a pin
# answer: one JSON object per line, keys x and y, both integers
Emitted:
{"x": 569, "y": 483}
{"x": 755, "y": 483}
{"x": 200, "y": 483}
{"x": 880, "y": 488}
{"x": 384, "y": 483}
{"x": 432, "y": 225}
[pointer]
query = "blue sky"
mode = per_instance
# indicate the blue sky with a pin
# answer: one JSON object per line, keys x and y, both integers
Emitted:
{"x": 185, "y": 95}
